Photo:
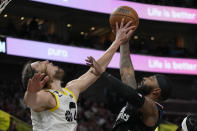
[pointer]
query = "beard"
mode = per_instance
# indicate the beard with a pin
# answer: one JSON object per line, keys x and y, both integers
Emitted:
{"x": 143, "y": 89}
{"x": 59, "y": 74}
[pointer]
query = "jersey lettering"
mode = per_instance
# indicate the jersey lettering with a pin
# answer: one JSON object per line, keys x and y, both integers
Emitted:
{"x": 122, "y": 115}
{"x": 71, "y": 114}
{"x": 125, "y": 117}
{"x": 58, "y": 93}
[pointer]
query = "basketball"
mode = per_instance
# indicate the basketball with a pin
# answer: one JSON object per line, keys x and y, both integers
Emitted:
{"x": 128, "y": 13}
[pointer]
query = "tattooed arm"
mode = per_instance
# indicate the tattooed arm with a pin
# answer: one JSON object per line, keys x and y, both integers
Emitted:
{"x": 126, "y": 67}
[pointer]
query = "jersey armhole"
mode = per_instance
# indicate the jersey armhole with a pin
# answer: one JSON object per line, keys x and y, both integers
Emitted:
{"x": 71, "y": 93}
{"x": 57, "y": 102}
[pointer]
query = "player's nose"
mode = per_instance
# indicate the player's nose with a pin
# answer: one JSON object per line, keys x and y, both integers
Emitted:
{"x": 46, "y": 61}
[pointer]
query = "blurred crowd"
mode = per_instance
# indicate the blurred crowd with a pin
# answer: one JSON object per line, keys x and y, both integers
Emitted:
{"x": 11, "y": 100}
{"x": 33, "y": 29}
{"x": 166, "y": 50}
{"x": 94, "y": 116}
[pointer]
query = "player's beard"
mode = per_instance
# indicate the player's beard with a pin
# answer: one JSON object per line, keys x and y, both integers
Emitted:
{"x": 59, "y": 74}
{"x": 143, "y": 89}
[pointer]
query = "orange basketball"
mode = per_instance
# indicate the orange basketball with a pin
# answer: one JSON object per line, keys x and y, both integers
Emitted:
{"x": 128, "y": 13}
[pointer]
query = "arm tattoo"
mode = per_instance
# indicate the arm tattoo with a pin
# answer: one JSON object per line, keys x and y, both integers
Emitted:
{"x": 126, "y": 66}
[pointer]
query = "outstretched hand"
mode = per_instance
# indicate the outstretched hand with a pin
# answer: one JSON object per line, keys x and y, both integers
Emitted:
{"x": 124, "y": 32}
{"x": 37, "y": 82}
{"x": 96, "y": 68}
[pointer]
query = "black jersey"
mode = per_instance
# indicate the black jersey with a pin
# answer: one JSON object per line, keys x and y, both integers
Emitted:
{"x": 129, "y": 119}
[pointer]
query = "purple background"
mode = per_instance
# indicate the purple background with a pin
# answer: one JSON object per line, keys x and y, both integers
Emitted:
{"x": 145, "y": 11}
{"x": 41, "y": 50}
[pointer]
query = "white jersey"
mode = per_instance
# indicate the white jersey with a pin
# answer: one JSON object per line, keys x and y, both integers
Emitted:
{"x": 60, "y": 118}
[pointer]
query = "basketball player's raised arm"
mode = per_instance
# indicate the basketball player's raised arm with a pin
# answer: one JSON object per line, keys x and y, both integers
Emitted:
{"x": 126, "y": 67}
{"x": 87, "y": 79}
{"x": 127, "y": 73}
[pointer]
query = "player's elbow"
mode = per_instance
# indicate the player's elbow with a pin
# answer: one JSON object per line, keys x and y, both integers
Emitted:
{"x": 33, "y": 104}
{"x": 27, "y": 102}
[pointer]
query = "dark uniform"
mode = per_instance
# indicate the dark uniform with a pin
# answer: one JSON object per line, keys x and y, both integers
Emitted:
{"x": 130, "y": 119}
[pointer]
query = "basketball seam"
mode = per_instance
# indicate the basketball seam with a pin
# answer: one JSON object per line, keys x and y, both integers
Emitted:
{"x": 122, "y": 15}
{"x": 134, "y": 12}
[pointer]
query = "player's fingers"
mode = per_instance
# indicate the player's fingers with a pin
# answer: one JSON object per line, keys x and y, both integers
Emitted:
{"x": 88, "y": 60}
{"x": 89, "y": 64}
{"x": 117, "y": 26}
{"x": 128, "y": 24}
{"x": 122, "y": 23}
{"x": 130, "y": 33}
{"x": 42, "y": 76}
{"x": 44, "y": 81}
{"x": 133, "y": 27}
{"x": 29, "y": 83}
{"x": 128, "y": 29}
{"x": 92, "y": 58}
{"x": 35, "y": 77}
{"x": 94, "y": 62}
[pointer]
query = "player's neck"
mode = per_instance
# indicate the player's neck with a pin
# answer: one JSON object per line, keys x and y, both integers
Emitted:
{"x": 56, "y": 85}
{"x": 150, "y": 96}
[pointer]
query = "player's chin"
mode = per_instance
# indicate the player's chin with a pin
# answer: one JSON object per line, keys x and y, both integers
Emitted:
{"x": 59, "y": 74}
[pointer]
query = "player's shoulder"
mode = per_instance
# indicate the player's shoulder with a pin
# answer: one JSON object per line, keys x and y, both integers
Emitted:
{"x": 72, "y": 86}
{"x": 71, "y": 83}
{"x": 46, "y": 93}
